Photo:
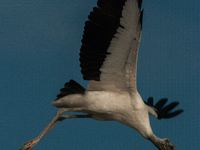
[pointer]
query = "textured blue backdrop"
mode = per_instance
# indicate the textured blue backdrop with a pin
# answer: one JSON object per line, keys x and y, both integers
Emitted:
{"x": 39, "y": 52}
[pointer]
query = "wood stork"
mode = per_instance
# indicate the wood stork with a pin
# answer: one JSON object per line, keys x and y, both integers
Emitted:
{"x": 108, "y": 57}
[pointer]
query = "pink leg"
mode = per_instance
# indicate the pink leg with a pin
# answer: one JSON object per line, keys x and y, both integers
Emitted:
{"x": 64, "y": 116}
{"x": 29, "y": 145}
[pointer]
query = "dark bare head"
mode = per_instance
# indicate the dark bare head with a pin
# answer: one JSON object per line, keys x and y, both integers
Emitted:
{"x": 162, "y": 144}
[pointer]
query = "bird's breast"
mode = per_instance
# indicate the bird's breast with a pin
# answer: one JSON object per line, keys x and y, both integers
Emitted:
{"x": 106, "y": 105}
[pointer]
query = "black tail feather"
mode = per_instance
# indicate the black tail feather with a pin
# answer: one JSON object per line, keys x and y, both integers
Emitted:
{"x": 71, "y": 87}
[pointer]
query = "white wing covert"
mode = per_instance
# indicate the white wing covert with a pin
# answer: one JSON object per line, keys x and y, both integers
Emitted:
{"x": 110, "y": 45}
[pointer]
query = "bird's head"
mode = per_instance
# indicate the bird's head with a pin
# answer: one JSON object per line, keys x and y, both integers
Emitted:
{"x": 162, "y": 144}
{"x": 165, "y": 144}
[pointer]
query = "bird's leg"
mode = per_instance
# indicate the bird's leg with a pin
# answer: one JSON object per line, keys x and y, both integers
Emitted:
{"x": 30, "y": 144}
{"x": 65, "y": 116}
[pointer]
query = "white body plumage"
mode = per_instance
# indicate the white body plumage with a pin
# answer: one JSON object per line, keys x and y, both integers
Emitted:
{"x": 109, "y": 60}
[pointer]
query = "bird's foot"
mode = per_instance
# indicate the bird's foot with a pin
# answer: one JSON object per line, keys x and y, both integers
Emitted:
{"x": 29, "y": 145}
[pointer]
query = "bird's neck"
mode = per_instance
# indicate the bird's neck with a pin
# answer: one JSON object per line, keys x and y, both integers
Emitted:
{"x": 155, "y": 140}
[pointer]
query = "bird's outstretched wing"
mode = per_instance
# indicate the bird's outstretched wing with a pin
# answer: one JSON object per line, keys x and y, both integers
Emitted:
{"x": 159, "y": 111}
{"x": 110, "y": 43}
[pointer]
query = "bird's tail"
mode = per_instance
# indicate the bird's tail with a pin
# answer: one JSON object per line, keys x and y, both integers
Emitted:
{"x": 71, "y": 87}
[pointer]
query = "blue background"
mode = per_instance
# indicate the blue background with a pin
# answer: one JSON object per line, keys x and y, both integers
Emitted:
{"x": 39, "y": 52}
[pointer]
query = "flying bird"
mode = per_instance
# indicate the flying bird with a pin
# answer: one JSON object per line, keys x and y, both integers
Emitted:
{"x": 108, "y": 58}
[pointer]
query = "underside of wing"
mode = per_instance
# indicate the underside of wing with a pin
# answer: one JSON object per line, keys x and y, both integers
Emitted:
{"x": 110, "y": 43}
